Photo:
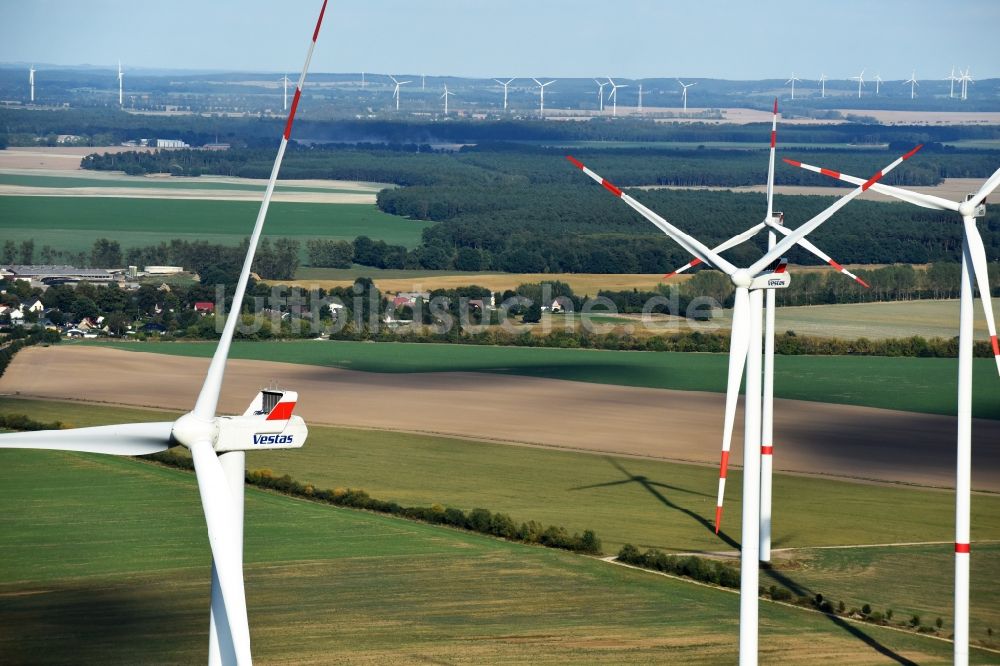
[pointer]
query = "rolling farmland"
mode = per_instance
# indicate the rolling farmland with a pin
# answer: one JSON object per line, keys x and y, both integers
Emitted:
{"x": 74, "y": 223}
{"x": 336, "y": 555}
{"x": 872, "y": 381}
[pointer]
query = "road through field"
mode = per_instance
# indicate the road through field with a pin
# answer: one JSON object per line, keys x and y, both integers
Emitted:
{"x": 815, "y": 438}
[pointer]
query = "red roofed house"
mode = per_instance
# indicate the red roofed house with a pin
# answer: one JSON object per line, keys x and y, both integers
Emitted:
{"x": 204, "y": 307}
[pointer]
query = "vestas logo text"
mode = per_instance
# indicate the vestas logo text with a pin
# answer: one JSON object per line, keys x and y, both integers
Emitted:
{"x": 272, "y": 439}
{"x": 775, "y": 282}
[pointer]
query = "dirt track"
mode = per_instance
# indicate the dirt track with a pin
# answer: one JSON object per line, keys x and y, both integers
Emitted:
{"x": 834, "y": 440}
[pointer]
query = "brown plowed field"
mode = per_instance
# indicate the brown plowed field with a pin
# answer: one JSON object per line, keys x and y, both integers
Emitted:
{"x": 816, "y": 438}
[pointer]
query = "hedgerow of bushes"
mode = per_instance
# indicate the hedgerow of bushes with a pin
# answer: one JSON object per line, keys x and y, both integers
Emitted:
{"x": 482, "y": 521}
{"x": 689, "y": 566}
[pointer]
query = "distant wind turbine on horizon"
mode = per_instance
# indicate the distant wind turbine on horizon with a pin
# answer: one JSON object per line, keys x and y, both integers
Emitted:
{"x": 613, "y": 96}
{"x": 541, "y": 95}
{"x": 822, "y": 83}
{"x": 860, "y": 78}
{"x": 600, "y": 94}
{"x": 684, "y": 93}
{"x": 792, "y": 81}
{"x": 913, "y": 83}
{"x": 504, "y": 84}
{"x": 395, "y": 92}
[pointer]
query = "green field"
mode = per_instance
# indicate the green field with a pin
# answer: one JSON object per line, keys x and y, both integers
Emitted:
{"x": 105, "y": 561}
{"x": 930, "y": 319}
{"x": 74, "y": 223}
{"x": 33, "y": 180}
{"x": 653, "y": 504}
{"x": 910, "y": 384}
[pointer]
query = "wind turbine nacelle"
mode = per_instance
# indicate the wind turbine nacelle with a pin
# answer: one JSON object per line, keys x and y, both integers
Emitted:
{"x": 268, "y": 423}
{"x": 771, "y": 281}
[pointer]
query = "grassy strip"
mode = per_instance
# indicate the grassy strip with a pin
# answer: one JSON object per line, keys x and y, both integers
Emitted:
{"x": 481, "y": 521}
{"x": 723, "y": 575}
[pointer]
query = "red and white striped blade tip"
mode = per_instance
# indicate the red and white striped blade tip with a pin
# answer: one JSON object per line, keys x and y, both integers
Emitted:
{"x": 718, "y": 518}
{"x": 775, "y": 106}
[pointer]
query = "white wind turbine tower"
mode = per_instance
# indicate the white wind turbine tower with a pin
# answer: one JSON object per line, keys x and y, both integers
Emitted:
{"x": 952, "y": 78}
{"x": 860, "y": 78}
{"x": 504, "y": 84}
{"x": 685, "y": 86}
{"x": 284, "y": 80}
{"x": 600, "y": 94}
{"x": 822, "y": 83}
{"x": 639, "y": 108}
{"x": 974, "y": 266}
{"x": 745, "y": 351}
{"x": 792, "y": 81}
{"x": 446, "y": 95}
{"x": 363, "y": 83}
{"x": 423, "y": 82}
{"x": 395, "y": 92}
{"x": 613, "y": 96}
{"x": 541, "y": 95}
{"x": 31, "y": 82}
{"x": 774, "y": 222}
{"x": 218, "y": 446}
{"x": 878, "y": 82}
{"x": 913, "y": 84}
{"x": 121, "y": 84}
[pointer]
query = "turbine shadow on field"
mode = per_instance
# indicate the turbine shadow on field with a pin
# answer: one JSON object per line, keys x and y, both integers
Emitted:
{"x": 848, "y": 627}
{"x": 652, "y": 487}
{"x": 103, "y": 618}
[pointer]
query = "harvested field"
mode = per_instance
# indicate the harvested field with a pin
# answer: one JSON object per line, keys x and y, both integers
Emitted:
{"x": 55, "y": 158}
{"x": 815, "y": 438}
{"x": 954, "y": 189}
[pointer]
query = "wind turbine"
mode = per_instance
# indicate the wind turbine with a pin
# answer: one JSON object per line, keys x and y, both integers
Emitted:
{"x": 363, "y": 84}
{"x": 395, "y": 92}
{"x": 31, "y": 82}
{"x": 541, "y": 95}
{"x": 121, "y": 84}
{"x": 284, "y": 80}
{"x": 774, "y": 222}
{"x": 822, "y": 83}
{"x": 685, "y": 86}
{"x": 446, "y": 95}
{"x": 600, "y": 94}
{"x": 860, "y": 78}
{"x": 952, "y": 78}
{"x": 913, "y": 83}
{"x": 878, "y": 82}
{"x": 218, "y": 446}
{"x": 639, "y": 108}
{"x": 974, "y": 266}
{"x": 792, "y": 81}
{"x": 423, "y": 82}
{"x": 745, "y": 351}
{"x": 504, "y": 84}
{"x": 613, "y": 96}
{"x": 966, "y": 80}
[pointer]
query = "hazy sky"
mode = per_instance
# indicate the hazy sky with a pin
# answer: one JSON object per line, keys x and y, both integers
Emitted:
{"x": 746, "y": 39}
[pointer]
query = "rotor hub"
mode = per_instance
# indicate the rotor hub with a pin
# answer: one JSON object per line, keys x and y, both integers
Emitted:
{"x": 190, "y": 429}
{"x": 742, "y": 278}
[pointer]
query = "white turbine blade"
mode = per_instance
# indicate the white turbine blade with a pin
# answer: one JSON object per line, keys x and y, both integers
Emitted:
{"x": 738, "y": 239}
{"x": 536, "y": 80}
{"x": 979, "y": 269}
{"x": 692, "y": 245}
{"x": 987, "y": 188}
{"x": 770, "y": 164}
{"x": 393, "y": 79}
{"x": 915, "y": 198}
{"x": 221, "y": 517}
{"x": 739, "y": 343}
{"x": 806, "y": 245}
{"x": 208, "y": 399}
{"x": 124, "y": 439}
{"x": 788, "y": 241}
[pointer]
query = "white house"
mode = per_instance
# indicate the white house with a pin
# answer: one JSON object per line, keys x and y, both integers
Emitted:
{"x": 34, "y": 305}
